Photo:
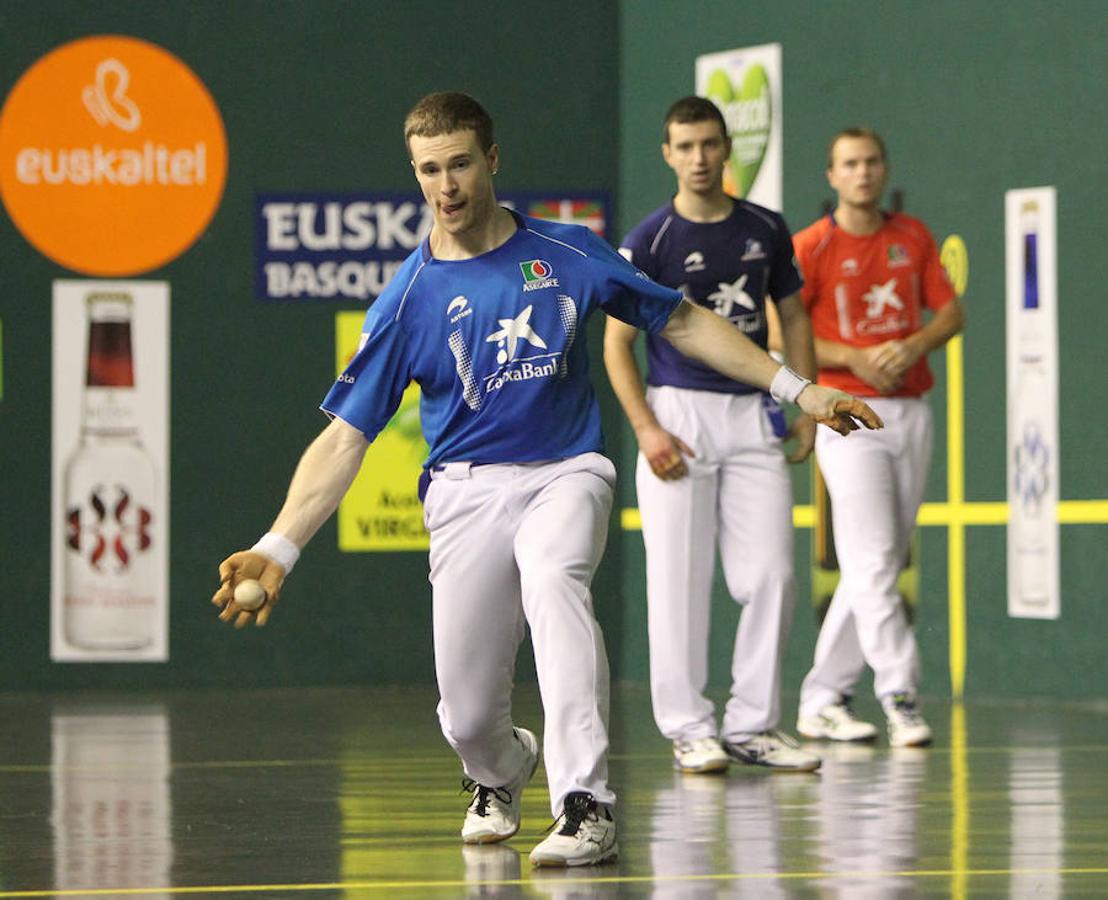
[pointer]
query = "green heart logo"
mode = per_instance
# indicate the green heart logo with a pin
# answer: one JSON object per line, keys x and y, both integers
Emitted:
{"x": 748, "y": 113}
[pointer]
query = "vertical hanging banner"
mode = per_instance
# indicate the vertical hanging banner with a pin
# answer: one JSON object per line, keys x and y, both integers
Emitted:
{"x": 1032, "y": 341}
{"x": 746, "y": 85}
{"x": 109, "y": 586}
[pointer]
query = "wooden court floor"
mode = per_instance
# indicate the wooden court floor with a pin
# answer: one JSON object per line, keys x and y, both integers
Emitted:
{"x": 353, "y": 793}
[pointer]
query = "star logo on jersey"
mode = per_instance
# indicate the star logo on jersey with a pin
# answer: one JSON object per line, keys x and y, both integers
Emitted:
{"x": 458, "y": 308}
{"x": 694, "y": 262}
{"x": 731, "y": 295}
{"x": 511, "y": 332}
{"x": 537, "y": 273}
{"x": 881, "y": 296}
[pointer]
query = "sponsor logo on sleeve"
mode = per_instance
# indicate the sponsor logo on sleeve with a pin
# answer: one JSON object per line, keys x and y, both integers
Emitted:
{"x": 537, "y": 274}
{"x": 898, "y": 256}
{"x": 754, "y": 250}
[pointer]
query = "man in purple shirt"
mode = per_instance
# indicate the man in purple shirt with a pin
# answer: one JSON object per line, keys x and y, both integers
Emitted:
{"x": 711, "y": 468}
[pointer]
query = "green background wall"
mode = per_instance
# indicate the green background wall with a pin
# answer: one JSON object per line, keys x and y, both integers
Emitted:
{"x": 313, "y": 96}
{"x": 974, "y": 99}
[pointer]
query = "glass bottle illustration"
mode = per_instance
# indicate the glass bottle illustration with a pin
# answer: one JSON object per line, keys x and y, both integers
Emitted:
{"x": 110, "y": 600}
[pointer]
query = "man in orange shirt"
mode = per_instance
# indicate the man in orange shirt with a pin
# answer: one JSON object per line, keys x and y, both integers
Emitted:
{"x": 869, "y": 276}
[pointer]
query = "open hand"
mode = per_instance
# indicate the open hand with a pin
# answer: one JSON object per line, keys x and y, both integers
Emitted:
{"x": 837, "y": 410}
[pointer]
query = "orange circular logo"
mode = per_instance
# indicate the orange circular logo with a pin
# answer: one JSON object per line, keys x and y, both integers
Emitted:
{"x": 113, "y": 156}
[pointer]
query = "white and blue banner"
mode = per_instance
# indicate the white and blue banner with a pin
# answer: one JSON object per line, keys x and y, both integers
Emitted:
{"x": 1032, "y": 340}
{"x": 346, "y": 247}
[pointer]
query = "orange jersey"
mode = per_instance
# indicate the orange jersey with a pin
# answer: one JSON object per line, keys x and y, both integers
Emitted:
{"x": 866, "y": 290}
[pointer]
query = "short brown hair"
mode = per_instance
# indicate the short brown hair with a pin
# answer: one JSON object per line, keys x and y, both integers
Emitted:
{"x": 857, "y": 131}
{"x": 446, "y": 112}
{"x": 693, "y": 109}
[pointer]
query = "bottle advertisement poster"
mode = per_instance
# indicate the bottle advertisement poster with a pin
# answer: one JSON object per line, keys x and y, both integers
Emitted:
{"x": 746, "y": 86}
{"x": 1032, "y": 366}
{"x": 109, "y": 590}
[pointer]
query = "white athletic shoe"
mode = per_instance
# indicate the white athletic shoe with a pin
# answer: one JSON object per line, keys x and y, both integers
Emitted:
{"x": 700, "y": 755}
{"x": 493, "y": 814}
{"x": 906, "y": 726}
{"x": 775, "y": 750}
{"x": 836, "y": 722}
{"x": 587, "y": 836}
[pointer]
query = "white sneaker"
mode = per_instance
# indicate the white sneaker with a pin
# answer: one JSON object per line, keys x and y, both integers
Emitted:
{"x": 700, "y": 755}
{"x": 906, "y": 726}
{"x": 587, "y": 836}
{"x": 774, "y": 750}
{"x": 493, "y": 814}
{"x": 836, "y": 722}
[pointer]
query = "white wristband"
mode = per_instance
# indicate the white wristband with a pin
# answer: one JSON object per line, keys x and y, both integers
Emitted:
{"x": 278, "y": 548}
{"x": 787, "y": 385}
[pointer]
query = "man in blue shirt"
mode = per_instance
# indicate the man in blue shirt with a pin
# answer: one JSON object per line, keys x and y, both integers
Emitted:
{"x": 711, "y": 467}
{"x": 485, "y": 316}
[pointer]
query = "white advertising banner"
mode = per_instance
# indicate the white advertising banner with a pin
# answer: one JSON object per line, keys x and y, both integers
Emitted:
{"x": 746, "y": 85}
{"x": 109, "y": 586}
{"x": 1032, "y": 341}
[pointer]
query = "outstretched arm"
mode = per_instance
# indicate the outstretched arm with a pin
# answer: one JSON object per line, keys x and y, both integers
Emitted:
{"x": 323, "y": 476}
{"x": 703, "y": 335}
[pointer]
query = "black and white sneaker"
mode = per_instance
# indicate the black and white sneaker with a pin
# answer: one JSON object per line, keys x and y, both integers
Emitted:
{"x": 587, "y": 836}
{"x": 493, "y": 814}
{"x": 774, "y": 750}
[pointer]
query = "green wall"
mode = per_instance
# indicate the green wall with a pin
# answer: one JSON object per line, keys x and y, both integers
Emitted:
{"x": 313, "y": 95}
{"x": 973, "y": 99}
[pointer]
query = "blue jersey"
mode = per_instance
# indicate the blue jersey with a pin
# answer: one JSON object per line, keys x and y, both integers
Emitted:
{"x": 731, "y": 267}
{"x": 497, "y": 345}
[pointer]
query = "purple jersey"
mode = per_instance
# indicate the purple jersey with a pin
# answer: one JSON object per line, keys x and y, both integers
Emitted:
{"x": 731, "y": 267}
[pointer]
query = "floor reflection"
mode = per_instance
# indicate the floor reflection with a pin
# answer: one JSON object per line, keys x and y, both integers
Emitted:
{"x": 869, "y": 802}
{"x": 352, "y": 794}
{"x": 704, "y": 824}
{"x": 1038, "y": 837}
{"x": 111, "y": 807}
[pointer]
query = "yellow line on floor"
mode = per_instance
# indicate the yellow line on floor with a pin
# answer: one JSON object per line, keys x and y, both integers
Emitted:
{"x": 553, "y": 878}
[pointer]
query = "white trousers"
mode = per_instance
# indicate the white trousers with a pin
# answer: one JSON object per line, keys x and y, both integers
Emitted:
{"x": 737, "y": 495}
{"x": 876, "y": 481}
{"x": 512, "y": 544}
